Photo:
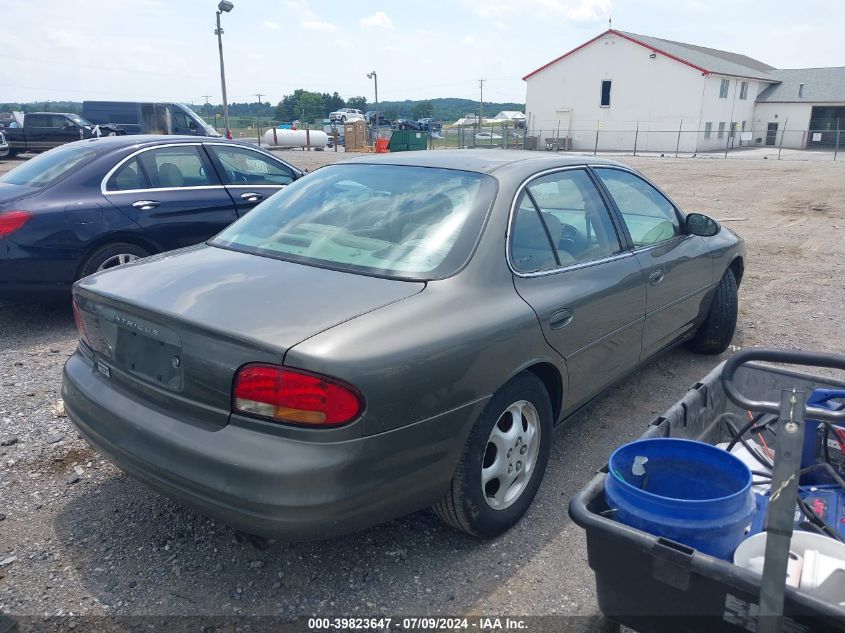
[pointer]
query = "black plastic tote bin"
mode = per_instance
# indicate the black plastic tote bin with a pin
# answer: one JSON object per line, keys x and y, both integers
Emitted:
{"x": 655, "y": 585}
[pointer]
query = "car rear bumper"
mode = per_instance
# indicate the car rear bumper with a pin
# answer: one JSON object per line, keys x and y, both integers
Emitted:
{"x": 265, "y": 484}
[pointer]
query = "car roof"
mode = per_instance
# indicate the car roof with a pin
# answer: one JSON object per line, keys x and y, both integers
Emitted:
{"x": 139, "y": 141}
{"x": 482, "y": 160}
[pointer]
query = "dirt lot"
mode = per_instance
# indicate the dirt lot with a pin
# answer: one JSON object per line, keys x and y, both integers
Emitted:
{"x": 88, "y": 540}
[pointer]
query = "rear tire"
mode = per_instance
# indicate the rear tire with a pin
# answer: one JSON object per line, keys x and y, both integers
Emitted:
{"x": 520, "y": 447}
{"x": 717, "y": 331}
{"x": 110, "y": 256}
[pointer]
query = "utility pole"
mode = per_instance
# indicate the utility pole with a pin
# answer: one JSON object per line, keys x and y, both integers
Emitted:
{"x": 224, "y": 6}
{"x": 258, "y": 123}
{"x": 206, "y": 97}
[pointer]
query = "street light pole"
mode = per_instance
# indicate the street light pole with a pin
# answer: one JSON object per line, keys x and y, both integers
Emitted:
{"x": 372, "y": 75}
{"x": 226, "y": 6}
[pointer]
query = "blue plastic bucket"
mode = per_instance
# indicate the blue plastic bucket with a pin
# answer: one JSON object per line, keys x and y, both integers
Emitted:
{"x": 687, "y": 491}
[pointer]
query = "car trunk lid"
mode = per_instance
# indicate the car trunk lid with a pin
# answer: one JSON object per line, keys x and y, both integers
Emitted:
{"x": 175, "y": 328}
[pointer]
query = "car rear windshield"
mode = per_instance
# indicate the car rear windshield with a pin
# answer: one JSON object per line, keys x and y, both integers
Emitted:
{"x": 47, "y": 168}
{"x": 388, "y": 220}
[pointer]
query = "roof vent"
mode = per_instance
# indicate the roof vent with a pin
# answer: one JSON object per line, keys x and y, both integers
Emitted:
{"x": 800, "y": 90}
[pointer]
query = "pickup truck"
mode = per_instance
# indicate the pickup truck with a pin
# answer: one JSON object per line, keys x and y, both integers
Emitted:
{"x": 40, "y": 131}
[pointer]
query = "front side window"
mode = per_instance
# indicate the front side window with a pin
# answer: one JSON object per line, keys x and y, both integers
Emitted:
{"x": 178, "y": 166}
{"x": 723, "y": 89}
{"x": 649, "y": 216}
{"x": 387, "y": 220}
{"x": 605, "y": 93}
{"x": 575, "y": 217}
{"x": 244, "y": 166}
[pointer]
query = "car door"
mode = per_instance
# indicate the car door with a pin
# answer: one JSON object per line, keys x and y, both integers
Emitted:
{"x": 250, "y": 176}
{"x": 64, "y": 131}
{"x": 172, "y": 192}
{"x": 37, "y": 131}
{"x": 570, "y": 266}
{"x": 677, "y": 266}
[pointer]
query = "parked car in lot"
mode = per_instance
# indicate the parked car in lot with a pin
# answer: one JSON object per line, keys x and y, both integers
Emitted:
{"x": 132, "y": 117}
{"x": 98, "y": 203}
{"x": 346, "y": 114}
{"x": 486, "y": 136}
{"x": 4, "y": 145}
{"x": 430, "y": 124}
{"x": 391, "y": 333}
{"x": 370, "y": 116}
{"x": 408, "y": 124}
{"x": 40, "y": 131}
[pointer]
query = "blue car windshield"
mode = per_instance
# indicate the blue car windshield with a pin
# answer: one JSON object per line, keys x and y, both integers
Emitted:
{"x": 47, "y": 168}
{"x": 387, "y": 220}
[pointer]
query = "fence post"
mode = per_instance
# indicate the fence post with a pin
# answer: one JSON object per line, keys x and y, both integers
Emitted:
{"x": 836, "y": 149}
{"x": 596, "y": 147}
{"x": 678, "y": 144}
{"x": 636, "y": 134}
{"x": 782, "y": 134}
{"x": 728, "y": 139}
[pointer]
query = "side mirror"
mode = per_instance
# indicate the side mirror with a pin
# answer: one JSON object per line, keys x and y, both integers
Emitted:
{"x": 700, "y": 224}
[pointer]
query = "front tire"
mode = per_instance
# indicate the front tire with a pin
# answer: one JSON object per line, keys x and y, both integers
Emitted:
{"x": 717, "y": 331}
{"x": 111, "y": 256}
{"x": 503, "y": 460}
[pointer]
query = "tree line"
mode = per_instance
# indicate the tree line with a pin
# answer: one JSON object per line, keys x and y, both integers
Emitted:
{"x": 310, "y": 106}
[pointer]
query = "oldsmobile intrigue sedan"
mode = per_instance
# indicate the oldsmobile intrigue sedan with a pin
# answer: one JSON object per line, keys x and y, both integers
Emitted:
{"x": 392, "y": 333}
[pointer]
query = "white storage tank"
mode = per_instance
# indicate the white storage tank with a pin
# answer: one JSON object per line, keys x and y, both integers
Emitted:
{"x": 295, "y": 138}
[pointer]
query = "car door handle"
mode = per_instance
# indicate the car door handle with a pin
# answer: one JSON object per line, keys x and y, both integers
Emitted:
{"x": 561, "y": 318}
{"x": 252, "y": 197}
{"x": 146, "y": 205}
{"x": 655, "y": 277}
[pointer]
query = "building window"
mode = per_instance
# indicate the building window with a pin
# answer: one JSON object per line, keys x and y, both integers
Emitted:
{"x": 723, "y": 89}
{"x": 743, "y": 90}
{"x": 605, "y": 93}
{"x": 732, "y": 131}
{"x": 708, "y": 128}
{"x": 721, "y": 130}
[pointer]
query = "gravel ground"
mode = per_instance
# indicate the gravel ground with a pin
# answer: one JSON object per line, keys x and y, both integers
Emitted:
{"x": 88, "y": 540}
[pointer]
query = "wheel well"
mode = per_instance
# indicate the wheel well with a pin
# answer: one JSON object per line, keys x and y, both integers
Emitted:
{"x": 550, "y": 376}
{"x": 116, "y": 238}
{"x": 738, "y": 268}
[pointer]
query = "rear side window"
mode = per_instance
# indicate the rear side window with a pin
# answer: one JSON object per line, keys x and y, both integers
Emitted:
{"x": 37, "y": 120}
{"x": 179, "y": 166}
{"x": 531, "y": 247}
{"x": 575, "y": 215}
{"x": 129, "y": 176}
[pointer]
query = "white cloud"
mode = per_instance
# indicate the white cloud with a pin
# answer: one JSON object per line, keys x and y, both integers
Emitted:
{"x": 575, "y": 10}
{"x": 343, "y": 43}
{"x": 316, "y": 24}
{"x": 379, "y": 19}
{"x": 67, "y": 39}
{"x": 469, "y": 39}
{"x": 271, "y": 26}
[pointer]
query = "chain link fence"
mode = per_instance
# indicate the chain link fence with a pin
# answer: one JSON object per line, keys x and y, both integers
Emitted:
{"x": 726, "y": 139}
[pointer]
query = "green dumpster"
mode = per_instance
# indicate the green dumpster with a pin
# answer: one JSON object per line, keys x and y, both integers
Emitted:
{"x": 407, "y": 140}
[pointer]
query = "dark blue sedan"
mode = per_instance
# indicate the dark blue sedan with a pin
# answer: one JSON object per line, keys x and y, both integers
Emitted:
{"x": 98, "y": 203}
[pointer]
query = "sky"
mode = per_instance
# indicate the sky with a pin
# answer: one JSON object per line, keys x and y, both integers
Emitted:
{"x": 166, "y": 49}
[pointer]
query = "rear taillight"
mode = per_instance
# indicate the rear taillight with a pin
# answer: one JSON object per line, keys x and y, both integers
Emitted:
{"x": 289, "y": 395}
{"x": 80, "y": 324}
{"x": 11, "y": 221}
